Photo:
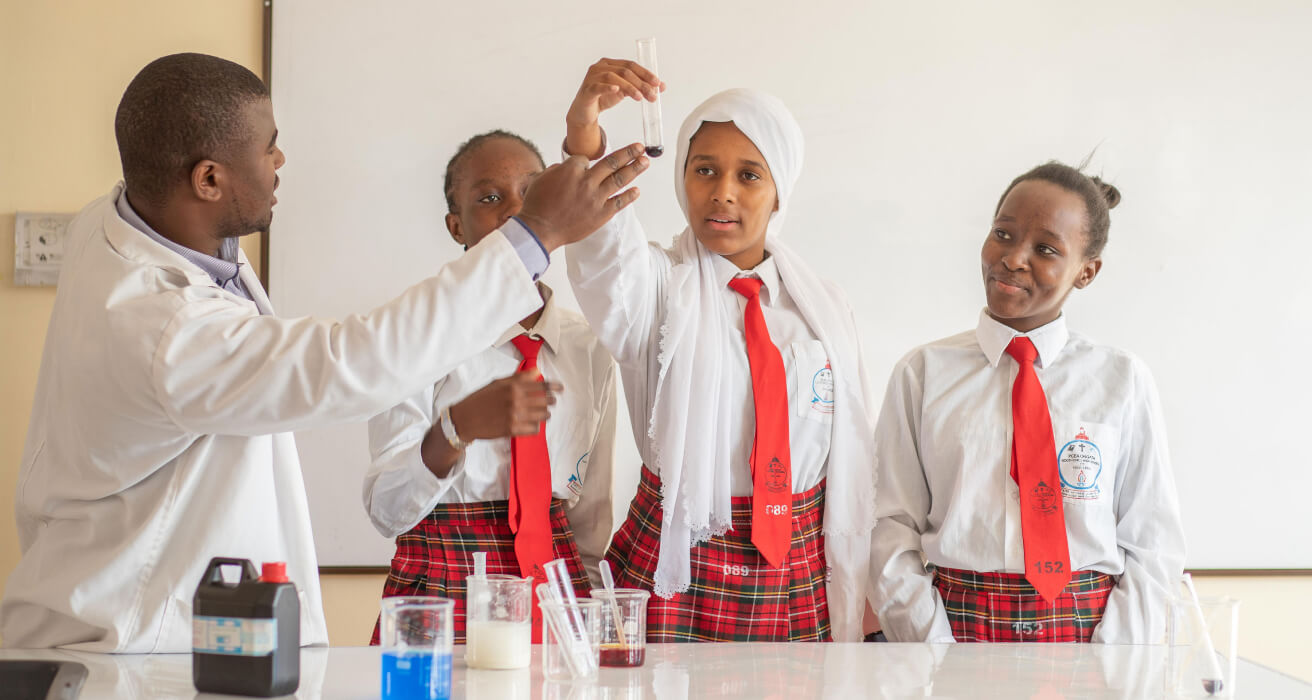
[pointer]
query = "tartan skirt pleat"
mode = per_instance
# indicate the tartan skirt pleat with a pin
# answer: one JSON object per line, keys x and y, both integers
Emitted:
{"x": 734, "y": 596}
{"x": 435, "y": 556}
{"x": 1000, "y": 607}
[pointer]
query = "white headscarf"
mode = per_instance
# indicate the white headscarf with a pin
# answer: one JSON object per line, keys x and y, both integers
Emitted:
{"x": 689, "y": 421}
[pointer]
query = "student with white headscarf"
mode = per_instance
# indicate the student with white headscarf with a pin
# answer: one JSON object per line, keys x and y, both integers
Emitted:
{"x": 745, "y": 386}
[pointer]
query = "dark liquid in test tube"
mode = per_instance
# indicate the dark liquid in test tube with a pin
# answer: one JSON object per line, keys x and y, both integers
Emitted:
{"x": 655, "y": 151}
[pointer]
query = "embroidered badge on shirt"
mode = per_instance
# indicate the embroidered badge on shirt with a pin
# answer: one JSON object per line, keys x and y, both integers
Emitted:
{"x": 575, "y": 484}
{"x": 822, "y": 391}
{"x": 1080, "y": 463}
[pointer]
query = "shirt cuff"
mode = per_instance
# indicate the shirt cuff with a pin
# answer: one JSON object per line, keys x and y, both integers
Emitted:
{"x": 423, "y": 482}
{"x": 527, "y": 246}
{"x": 425, "y": 487}
{"x": 404, "y": 493}
{"x": 565, "y": 154}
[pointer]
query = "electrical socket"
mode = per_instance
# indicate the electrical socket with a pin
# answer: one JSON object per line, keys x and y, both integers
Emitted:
{"x": 39, "y": 247}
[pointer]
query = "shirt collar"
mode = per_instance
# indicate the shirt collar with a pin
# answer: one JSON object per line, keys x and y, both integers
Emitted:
{"x": 766, "y": 271}
{"x": 1048, "y": 339}
{"x": 221, "y": 269}
{"x": 548, "y": 325}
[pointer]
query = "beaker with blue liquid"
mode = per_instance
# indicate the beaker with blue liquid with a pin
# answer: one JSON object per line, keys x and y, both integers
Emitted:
{"x": 416, "y": 634}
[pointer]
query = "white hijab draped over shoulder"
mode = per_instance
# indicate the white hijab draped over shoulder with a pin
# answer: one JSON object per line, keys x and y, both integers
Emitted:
{"x": 689, "y": 428}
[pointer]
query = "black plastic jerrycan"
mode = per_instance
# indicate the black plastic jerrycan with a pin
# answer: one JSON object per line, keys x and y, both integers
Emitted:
{"x": 246, "y": 637}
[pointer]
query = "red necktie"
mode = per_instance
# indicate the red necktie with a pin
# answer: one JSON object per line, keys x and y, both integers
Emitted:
{"x": 771, "y": 461}
{"x": 530, "y": 490}
{"x": 1034, "y": 468}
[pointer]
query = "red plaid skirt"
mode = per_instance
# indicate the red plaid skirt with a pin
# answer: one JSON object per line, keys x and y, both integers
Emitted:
{"x": 435, "y": 556}
{"x": 735, "y": 596}
{"x": 996, "y": 607}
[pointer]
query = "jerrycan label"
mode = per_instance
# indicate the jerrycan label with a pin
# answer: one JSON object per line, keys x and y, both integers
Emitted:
{"x": 234, "y": 636}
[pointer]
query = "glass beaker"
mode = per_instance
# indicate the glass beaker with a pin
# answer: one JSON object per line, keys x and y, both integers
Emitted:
{"x": 498, "y": 621}
{"x": 554, "y": 665}
{"x": 1202, "y": 654}
{"x": 623, "y": 626}
{"x": 415, "y": 633}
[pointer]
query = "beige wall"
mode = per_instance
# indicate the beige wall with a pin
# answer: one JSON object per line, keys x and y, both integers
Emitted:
{"x": 63, "y": 65}
{"x": 1273, "y": 618}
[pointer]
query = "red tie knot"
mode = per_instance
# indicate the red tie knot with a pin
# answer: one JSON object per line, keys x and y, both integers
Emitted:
{"x": 1022, "y": 349}
{"x": 528, "y": 346}
{"x": 749, "y": 287}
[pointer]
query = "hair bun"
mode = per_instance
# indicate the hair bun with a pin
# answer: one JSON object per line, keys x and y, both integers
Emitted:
{"x": 1109, "y": 192}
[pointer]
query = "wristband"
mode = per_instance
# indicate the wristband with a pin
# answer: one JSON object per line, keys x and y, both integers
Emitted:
{"x": 449, "y": 430}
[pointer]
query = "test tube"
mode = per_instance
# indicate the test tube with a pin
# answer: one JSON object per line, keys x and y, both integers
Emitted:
{"x": 1213, "y": 684}
{"x": 651, "y": 111}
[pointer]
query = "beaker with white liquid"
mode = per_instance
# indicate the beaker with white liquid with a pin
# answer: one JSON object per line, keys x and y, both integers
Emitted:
{"x": 498, "y": 621}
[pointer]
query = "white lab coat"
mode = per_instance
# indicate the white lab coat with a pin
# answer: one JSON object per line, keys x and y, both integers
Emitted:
{"x": 161, "y": 431}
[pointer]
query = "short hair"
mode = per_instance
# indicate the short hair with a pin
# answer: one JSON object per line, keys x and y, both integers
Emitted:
{"x": 452, "y": 178}
{"x": 1099, "y": 198}
{"x": 177, "y": 111}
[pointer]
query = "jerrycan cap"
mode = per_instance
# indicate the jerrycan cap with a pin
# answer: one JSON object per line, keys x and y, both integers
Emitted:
{"x": 273, "y": 572}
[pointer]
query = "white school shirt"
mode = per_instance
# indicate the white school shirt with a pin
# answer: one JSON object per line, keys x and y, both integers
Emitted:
{"x": 161, "y": 433}
{"x": 619, "y": 280}
{"x": 945, "y": 488}
{"x": 399, "y": 491}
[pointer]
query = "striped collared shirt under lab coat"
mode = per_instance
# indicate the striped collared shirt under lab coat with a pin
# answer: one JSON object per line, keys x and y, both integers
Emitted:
{"x": 161, "y": 429}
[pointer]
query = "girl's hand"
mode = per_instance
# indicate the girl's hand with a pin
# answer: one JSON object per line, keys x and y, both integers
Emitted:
{"x": 507, "y": 407}
{"x": 515, "y": 405}
{"x": 605, "y": 85}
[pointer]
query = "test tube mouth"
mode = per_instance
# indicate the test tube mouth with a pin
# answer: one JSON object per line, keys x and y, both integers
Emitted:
{"x": 416, "y": 601}
{"x": 621, "y": 593}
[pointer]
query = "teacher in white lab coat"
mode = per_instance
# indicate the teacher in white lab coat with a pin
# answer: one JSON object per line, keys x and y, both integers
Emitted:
{"x": 161, "y": 429}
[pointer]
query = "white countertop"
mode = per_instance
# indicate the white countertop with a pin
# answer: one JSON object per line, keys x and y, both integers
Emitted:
{"x": 764, "y": 671}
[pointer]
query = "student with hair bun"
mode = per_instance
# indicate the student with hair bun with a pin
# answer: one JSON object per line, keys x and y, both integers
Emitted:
{"x": 1026, "y": 463}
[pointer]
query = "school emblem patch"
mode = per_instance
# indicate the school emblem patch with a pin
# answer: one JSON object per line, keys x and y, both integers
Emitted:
{"x": 776, "y": 477}
{"x": 822, "y": 391}
{"x": 1043, "y": 499}
{"x": 1080, "y": 464}
{"x": 575, "y": 484}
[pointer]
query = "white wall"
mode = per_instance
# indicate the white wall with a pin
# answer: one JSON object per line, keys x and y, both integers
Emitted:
{"x": 917, "y": 115}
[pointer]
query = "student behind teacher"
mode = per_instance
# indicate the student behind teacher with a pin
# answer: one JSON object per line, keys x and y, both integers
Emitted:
{"x": 453, "y": 464}
{"x": 161, "y": 431}
{"x": 1026, "y": 462}
{"x": 743, "y": 373}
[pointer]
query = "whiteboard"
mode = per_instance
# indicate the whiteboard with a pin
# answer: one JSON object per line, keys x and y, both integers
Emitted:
{"x": 917, "y": 115}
